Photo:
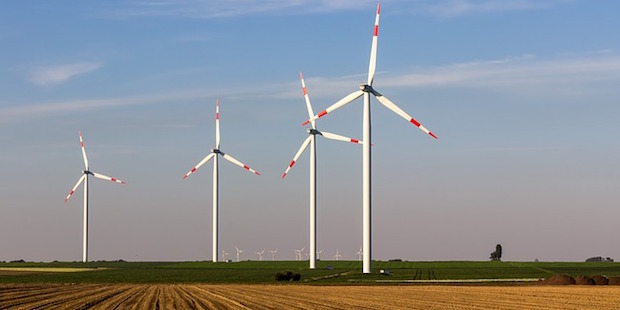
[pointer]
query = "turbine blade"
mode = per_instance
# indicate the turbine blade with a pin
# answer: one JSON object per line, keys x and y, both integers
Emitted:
{"x": 304, "y": 145}
{"x": 80, "y": 180}
{"x": 217, "y": 125}
{"x": 347, "y": 99}
{"x": 238, "y": 163}
{"x": 83, "y": 152}
{"x": 202, "y": 162}
{"x": 308, "y": 105}
{"x": 334, "y": 136}
{"x": 105, "y": 177}
{"x": 373, "y": 50}
{"x": 390, "y": 105}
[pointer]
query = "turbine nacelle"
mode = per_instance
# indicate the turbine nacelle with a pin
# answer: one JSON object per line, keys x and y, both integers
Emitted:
{"x": 368, "y": 89}
{"x": 216, "y": 151}
{"x": 312, "y": 131}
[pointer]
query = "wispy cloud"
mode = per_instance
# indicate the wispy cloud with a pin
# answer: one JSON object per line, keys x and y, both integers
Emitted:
{"x": 225, "y": 8}
{"x": 54, "y": 75}
{"x": 452, "y": 8}
{"x": 559, "y": 76}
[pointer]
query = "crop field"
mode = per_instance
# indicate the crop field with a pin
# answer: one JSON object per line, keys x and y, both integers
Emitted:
{"x": 333, "y": 285}
{"x": 255, "y": 272}
{"x": 210, "y": 296}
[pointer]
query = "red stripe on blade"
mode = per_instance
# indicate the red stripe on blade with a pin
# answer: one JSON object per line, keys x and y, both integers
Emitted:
{"x": 246, "y": 167}
{"x": 376, "y": 30}
{"x": 291, "y": 164}
{"x": 355, "y": 140}
{"x": 413, "y": 121}
{"x": 322, "y": 113}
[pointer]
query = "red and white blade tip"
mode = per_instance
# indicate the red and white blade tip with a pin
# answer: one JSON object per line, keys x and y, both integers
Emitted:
{"x": 417, "y": 124}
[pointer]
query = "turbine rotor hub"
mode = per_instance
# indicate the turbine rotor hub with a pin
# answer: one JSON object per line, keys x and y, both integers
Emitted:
{"x": 312, "y": 131}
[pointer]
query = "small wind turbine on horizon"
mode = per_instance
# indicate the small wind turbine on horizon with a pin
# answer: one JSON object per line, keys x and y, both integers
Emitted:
{"x": 214, "y": 154}
{"x": 311, "y": 140}
{"x": 239, "y": 251}
{"x": 299, "y": 253}
{"x": 224, "y": 254}
{"x": 337, "y": 256}
{"x": 84, "y": 178}
{"x": 318, "y": 254}
{"x": 273, "y": 254}
{"x": 366, "y": 90}
{"x": 359, "y": 254}
{"x": 260, "y": 255}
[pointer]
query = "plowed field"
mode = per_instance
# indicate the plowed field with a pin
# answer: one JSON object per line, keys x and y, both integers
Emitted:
{"x": 187, "y": 296}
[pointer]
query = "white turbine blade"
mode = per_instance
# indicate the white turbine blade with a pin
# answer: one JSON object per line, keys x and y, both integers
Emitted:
{"x": 347, "y": 99}
{"x": 105, "y": 177}
{"x": 304, "y": 145}
{"x": 390, "y": 105}
{"x": 80, "y": 180}
{"x": 308, "y": 105}
{"x": 238, "y": 163}
{"x": 334, "y": 136}
{"x": 217, "y": 124}
{"x": 373, "y": 51}
{"x": 202, "y": 162}
{"x": 83, "y": 152}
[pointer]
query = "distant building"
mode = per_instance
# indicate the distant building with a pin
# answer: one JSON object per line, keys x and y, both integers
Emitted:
{"x": 599, "y": 259}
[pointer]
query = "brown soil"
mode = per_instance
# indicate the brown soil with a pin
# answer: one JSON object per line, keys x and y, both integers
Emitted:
{"x": 187, "y": 296}
{"x": 614, "y": 280}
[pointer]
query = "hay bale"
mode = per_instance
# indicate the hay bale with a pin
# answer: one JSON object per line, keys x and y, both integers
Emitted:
{"x": 600, "y": 280}
{"x": 558, "y": 279}
{"x": 614, "y": 280}
{"x": 584, "y": 280}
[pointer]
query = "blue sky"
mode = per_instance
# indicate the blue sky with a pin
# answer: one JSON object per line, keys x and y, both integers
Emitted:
{"x": 522, "y": 94}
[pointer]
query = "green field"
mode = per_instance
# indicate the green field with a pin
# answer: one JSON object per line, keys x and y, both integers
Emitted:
{"x": 327, "y": 272}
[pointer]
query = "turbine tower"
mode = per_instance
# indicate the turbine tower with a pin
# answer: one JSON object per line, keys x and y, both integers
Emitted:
{"x": 214, "y": 154}
{"x": 367, "y": 90}
{"x": 311, "y": 140}
{"x": 84, "y": 178}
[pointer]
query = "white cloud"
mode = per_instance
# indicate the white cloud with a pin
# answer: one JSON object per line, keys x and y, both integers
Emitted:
{"x": 453, "y": 8}
{"x": 54, "y": 75}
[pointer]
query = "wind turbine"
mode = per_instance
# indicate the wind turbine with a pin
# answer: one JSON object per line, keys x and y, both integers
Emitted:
{"x": 366, "y": 90}
{"x": 318, "y": 254}
{"x": 238, "y": 252}
{"x": 337, "y": 256}
{"x": 359, "y": 254}
{"x": 224, "y": 254}
{"x": 273, "y": 254}
{"x": 298, "y": 253}
{"x": 260, "y": 255}
{"x": 214, "y": 154}
{"x": 84, "y": 178}
{"x": 311, "y": 140}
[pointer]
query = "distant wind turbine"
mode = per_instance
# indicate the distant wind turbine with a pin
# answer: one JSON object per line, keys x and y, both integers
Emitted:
{"x": 337, "y": 256}
{"x": 214, "y": 154}
{"x": 273, "y": 254}
{"x": 366, "y": 90}
{"x": 359, "y": 254}
{"x": 318, "y": 254}
{"x": 239, "y": 251}
{"x": 299, "y": 253}
{"x": 311, "y": 140}
{"x": 224, "y": 254}
{"x": 260, "y": 254}
{"x": 84, "y": 178}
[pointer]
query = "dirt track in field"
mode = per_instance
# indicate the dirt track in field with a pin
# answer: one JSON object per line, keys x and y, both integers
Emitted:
{"x": 188, "y": 296}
